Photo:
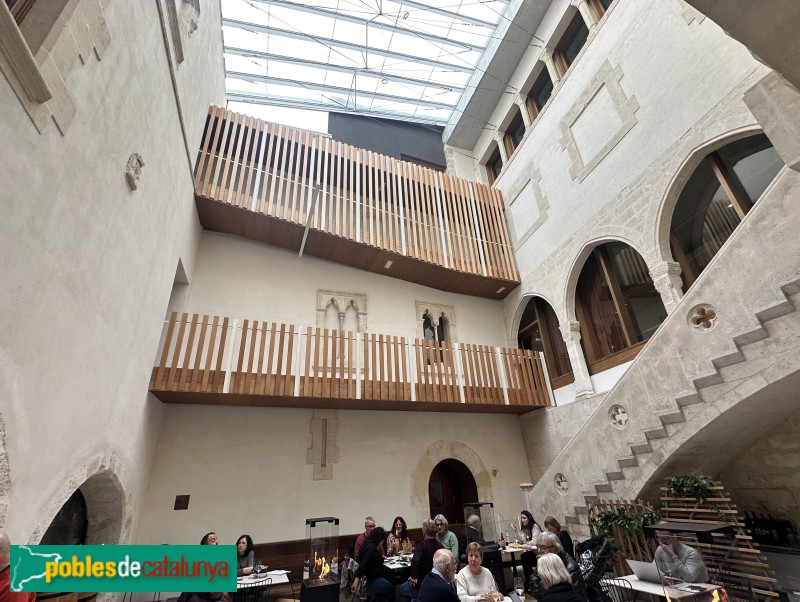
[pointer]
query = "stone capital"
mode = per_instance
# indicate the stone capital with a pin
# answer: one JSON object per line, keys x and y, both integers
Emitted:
{"x": 667, "y": 280}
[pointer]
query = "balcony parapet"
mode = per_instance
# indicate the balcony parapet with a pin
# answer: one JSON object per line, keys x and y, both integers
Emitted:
{"x": 307, "y": 192}
{"x": 218, "y": 360}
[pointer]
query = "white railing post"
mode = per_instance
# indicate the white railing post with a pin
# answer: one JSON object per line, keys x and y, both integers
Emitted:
{"x": 547, "y": 379}
{"x": 230, "y": 355}
{"x": 501, "y": 373}
{"x": 441, "y": 220}
{"x": 400, "y": 208}
{"x": 412, "y": 369}
{"x": 257, "y": 185}
{"x": 358, "y": 365}
{"x": 296, "y": 361}
{"x": 478, "y": 231}
{"x": 358, "y": 196}
{"x": 459, "y": 372}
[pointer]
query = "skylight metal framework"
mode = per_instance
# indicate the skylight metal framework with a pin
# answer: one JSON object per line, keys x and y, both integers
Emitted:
{"x": 403, "y": 59}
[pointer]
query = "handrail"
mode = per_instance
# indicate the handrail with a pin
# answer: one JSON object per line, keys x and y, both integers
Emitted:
{"x": 311, "y": 180}
{"x": 221, "y": 355}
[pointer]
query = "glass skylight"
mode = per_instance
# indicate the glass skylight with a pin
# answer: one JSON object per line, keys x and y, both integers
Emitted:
{"x": 400, "y": 59}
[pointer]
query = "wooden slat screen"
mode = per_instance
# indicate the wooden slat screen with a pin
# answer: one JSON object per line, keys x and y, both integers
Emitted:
{"x": 385, "y": 368}
{"x": 191, "y": 356}
{"x": 330, "y": 364}
{"x": 267, "y": 359}
{"x": 436, "y": 373}
{"x": 632, "y": 544}
{"x": 732, "y": 561}
{"x": 275, "y": 170}
{"x": 525, "y": 381}
{"x": 481, "y": 379}
{"x": 264, "y": 360}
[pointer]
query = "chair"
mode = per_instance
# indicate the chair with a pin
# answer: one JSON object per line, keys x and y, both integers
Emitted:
{"x": 617, "y": 590}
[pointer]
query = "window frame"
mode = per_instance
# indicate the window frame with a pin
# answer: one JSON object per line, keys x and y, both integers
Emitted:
{"x": 540, "y": 323}
{"x": 569, "y": 35}
{"x": 509, "y": 142}
{"x": 539, "y": 84}
{"x": 495, "y": 160}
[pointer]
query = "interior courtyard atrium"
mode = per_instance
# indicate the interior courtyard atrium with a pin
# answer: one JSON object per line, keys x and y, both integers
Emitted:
{"x": 539, "y": 255}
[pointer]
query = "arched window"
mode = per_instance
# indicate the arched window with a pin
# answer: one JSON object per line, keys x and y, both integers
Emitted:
{"x": 442, "y": 331}
{"x": 715, "y": 199}
{"x": 617, "y": 304}
{"x": 427, "y": 328}
{"x": 538, "y": 331}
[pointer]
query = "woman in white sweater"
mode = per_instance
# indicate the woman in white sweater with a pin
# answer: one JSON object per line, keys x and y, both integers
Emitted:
{"x": 474, "y": 583}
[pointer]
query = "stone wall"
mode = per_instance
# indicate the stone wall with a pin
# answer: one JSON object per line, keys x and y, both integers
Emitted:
{"x": 766, "y": 477}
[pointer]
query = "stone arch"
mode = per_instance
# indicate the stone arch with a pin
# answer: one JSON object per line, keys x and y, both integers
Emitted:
{"x": 571, "y": 283}
{"x": 522, "y": 303}
{"x": 443, "y": 450}
{"x": 673, "y": 190}
{"x": 103, "y": 482}
{"x": 5, "y": 475}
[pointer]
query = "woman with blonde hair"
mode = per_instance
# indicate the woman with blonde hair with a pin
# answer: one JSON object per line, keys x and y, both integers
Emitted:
{"x": 556, "y": 580}
{"x": 474, "y": 583}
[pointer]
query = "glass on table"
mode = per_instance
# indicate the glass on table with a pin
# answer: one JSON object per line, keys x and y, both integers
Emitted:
{"x": 519, "y": 587}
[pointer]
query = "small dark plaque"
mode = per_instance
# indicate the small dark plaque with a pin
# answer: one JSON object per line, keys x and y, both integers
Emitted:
{"x": 181, "y": 502}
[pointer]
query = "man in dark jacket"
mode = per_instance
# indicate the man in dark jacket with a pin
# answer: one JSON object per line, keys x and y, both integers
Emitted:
{"x": 550, "y": 543}
{"x": 422, "y": 563}
{"x": 436, "y": 585}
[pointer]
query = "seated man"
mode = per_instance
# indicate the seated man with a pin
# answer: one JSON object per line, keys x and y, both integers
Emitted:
{"x": 676, "y": 559}
{"x": 369, "y": 525}
{"x": 549, "y": 543}
{"x": 422, "y": 563}
{"x": 436, "y": 585}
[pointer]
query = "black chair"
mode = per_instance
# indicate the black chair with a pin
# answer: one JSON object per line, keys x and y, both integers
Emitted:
{"x": 617, "y": 590}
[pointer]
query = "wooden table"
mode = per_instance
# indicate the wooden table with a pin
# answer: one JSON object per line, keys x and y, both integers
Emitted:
{"x": 656, "y": 589}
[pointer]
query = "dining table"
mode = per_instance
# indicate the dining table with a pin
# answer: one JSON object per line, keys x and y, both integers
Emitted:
{"x": 512, "y": 550}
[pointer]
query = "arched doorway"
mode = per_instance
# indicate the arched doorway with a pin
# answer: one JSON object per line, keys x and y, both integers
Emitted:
{"x": 70, "y": 525}
{"x": 539, "y": 331}
{"x": 450, "y": 486}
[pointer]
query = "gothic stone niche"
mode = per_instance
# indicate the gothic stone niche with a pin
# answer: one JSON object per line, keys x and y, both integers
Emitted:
{"x": 436, "y": 311}
{"x": 358, "y": 301}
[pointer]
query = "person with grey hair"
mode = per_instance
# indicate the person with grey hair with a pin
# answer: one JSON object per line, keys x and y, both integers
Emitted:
{"x": 369, "y": 525}
{"x": 549, "y": 543}
{"x": 678, "y": 560}
{"x": 444, "y": 536}
{"x": 6, "y": 595}
{"x": 422, "y": 562}
{"x": 555, "y": 579}
{"x": 436, "y": 585}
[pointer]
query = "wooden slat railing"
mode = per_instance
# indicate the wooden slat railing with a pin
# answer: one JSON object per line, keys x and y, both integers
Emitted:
{"x": 297, "y": 175}
{"x": 225, "y": 356}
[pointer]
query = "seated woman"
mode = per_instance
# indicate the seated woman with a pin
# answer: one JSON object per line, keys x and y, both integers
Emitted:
{"x": 555, "y": 580}
{"x": 245, "y": 557}
{"x": 444, "y": 536}
{"x": 398, "y": 541}
{"x": 528, "y": 532}
{"x": 552, "y": 525}
{"x": 475, "y": 582}
{"x": 370, "y": 568}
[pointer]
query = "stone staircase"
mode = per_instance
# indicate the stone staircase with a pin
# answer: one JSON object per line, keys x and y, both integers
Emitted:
{"x": 688, "y": 375}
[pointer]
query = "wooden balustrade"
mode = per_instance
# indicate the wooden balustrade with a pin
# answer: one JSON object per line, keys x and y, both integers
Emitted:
{"x": 208, "y": 359}
{"x": 314, "y": 184}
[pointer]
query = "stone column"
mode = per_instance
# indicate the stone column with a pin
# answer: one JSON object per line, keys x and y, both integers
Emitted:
{"x": 580, "y": 371}
{"x": 667, "y": 280}
{"x": 547, "y": 55}
{"x": 588, "y": 16}
{"x": 526, "y": 493}
{"x": 498, "y": 137}
{"x": 521, "y": 102}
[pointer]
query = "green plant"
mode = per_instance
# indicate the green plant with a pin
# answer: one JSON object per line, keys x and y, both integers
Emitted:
{"x": 604, "y": 521}
{"x": 698, "y": 486}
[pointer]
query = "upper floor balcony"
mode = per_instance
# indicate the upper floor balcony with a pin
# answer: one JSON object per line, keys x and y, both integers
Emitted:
{"x": 226, "y": 361}
{"x": 307, "y": 192}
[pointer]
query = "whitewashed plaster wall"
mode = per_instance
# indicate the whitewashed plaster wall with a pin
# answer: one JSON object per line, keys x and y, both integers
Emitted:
{"x": 246, "y": 471}
{"x": 240, "y": 278}
{"x": 88, "y": 267}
